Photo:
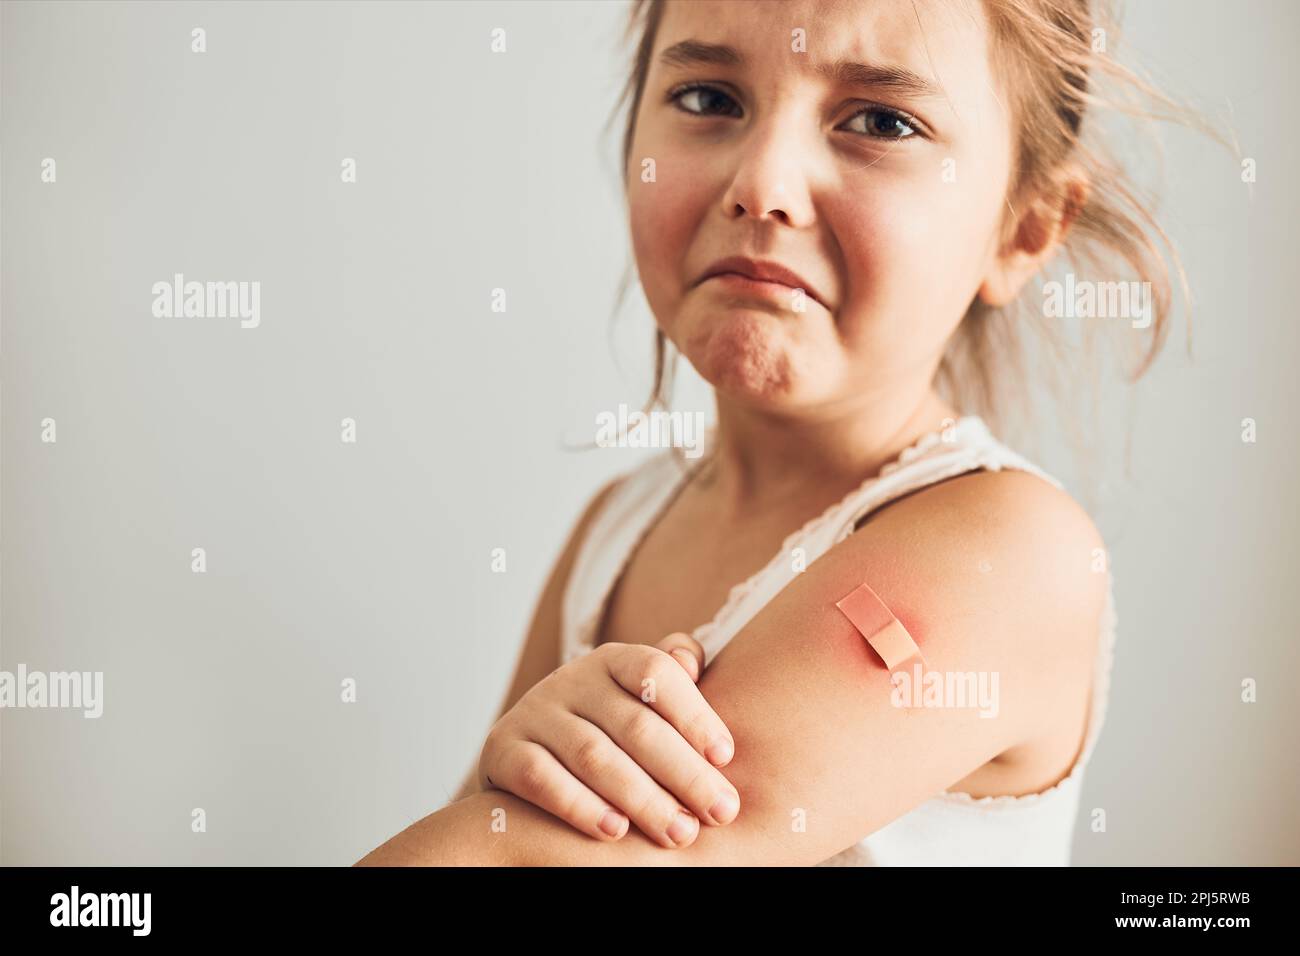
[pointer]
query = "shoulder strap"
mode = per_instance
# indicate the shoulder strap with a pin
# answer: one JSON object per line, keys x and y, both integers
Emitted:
{"x": 966, "y": 447}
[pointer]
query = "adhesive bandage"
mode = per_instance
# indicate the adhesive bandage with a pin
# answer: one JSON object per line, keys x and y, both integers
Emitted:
{"x": 884, "y": 632}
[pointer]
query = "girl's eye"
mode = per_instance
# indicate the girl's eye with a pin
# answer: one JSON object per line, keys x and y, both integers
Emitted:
{"x": 701, "y": 100}
{"x": 880, "y": 121}
{"x": 884, "y": 123}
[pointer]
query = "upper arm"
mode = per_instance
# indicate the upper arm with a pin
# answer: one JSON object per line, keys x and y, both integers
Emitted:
{"x": 991, "y": 572}
{"x": 541, "y": 650}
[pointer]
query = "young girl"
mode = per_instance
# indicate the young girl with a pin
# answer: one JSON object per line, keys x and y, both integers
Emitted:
{"x": 832, "y": 208}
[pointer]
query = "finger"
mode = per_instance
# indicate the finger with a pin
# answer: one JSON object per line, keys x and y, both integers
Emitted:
{"x": 591, "y": 757}
{"x": 531, "y": 772}
{"x": 687, "y": 651}
{"x": 651, "y": 676}
{"x": 664, "y": 759}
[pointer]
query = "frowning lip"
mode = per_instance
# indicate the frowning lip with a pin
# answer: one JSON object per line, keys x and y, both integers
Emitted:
{"x": 760, "y": 270}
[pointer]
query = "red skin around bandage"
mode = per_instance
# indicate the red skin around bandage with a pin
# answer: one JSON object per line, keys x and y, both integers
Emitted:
{"x": 884, "y": 632}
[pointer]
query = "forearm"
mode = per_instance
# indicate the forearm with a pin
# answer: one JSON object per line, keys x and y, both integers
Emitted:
{"x": 494, "y": 828}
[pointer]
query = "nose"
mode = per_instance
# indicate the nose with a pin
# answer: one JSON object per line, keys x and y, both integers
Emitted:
{"x": 770, "y": 180}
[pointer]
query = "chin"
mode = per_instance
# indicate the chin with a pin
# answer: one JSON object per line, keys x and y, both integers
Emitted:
{"x": 744, "y": 354}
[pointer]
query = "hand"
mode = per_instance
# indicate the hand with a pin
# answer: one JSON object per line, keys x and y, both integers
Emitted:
{"x": 620, "y": 733}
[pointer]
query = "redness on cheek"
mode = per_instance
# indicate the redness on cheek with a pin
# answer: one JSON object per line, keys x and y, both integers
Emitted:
{"x": 661, "y": 236}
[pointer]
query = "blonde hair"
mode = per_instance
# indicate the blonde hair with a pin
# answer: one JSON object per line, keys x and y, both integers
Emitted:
{"x": 1054, "y": 57}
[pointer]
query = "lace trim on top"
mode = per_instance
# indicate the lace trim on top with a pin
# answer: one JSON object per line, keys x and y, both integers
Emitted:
{"x": 704, "y": 633}
{"x": 585, "y": 632}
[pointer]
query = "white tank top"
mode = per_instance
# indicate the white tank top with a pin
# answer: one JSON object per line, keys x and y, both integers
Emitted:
{"x": 949, "y": 829}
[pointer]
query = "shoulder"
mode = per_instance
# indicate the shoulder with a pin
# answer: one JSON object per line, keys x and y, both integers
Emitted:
{"x": 1041, "y": 535}
{"x": 1004, "y": 568}
{"x": 557, "y": 582}
{"x": 1011, "y": 525}
{"x": 595, "y": 506}
{"x": 601, "y": 497}
{"x": 618, "y": 498}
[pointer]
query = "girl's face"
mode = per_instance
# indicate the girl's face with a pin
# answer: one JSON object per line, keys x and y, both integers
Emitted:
{"x": 861, "y": 145}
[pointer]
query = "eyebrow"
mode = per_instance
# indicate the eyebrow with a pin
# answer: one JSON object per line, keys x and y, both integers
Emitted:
{"x": 895, "y": 78}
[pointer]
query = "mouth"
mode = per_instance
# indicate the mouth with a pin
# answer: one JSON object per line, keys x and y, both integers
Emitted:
{"x": 758, "y": 277}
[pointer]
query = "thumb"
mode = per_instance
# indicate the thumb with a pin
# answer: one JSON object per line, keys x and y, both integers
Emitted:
{"x": 686, "y": 651}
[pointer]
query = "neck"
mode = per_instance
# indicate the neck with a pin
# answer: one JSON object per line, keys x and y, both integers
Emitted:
{"x": 760, "y": 458}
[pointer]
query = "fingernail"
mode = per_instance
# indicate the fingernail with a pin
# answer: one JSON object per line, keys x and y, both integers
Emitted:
{"x": 613, "y": 823}
{"x": 684, "y": 658}
{"x": 683, "y": 828}
{"x": 724, "y": 811}
{"x": 719, "y": 751}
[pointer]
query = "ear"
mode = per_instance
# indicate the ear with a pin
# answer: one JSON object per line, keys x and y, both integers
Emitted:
{"x": 1039, "y": 234}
